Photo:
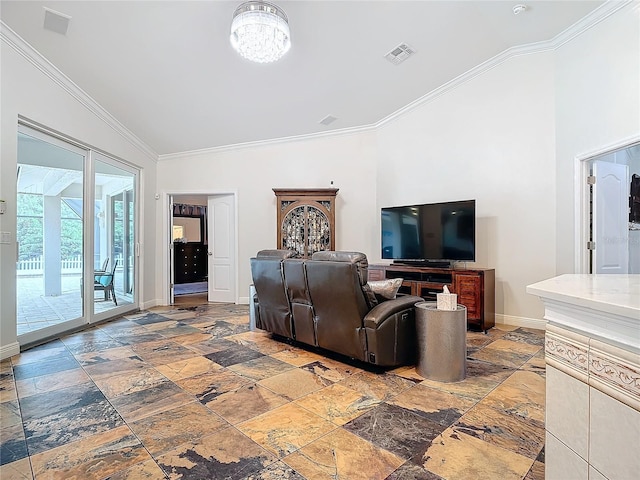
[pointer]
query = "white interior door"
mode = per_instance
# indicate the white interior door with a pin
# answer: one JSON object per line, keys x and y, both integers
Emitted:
{"x": 610, "y": 217}
{"x": 221, "y": 248}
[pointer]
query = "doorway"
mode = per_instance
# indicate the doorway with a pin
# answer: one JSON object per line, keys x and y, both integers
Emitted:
{"x": 610, "y": 230}
{"x": 76, "y": 220}
{"x": 189, "y": 237}
{"x": 202, "y": 248}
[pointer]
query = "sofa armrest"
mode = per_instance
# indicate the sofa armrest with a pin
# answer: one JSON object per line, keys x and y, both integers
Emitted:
{"x": 378, "y": 314}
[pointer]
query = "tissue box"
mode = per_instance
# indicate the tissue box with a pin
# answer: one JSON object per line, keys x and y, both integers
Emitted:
{"x": 446, "y": 301}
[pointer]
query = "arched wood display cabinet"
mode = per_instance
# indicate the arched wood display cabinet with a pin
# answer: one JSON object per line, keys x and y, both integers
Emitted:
{"x": 306, "y": 219}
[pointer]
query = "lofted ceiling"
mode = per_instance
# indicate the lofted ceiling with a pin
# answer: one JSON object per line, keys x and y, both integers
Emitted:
{"x": 166, "y": 71}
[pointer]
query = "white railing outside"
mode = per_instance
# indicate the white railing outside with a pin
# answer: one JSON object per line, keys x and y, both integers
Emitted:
{"x": 35, "y": 265}
{"x": 74, "y": 264}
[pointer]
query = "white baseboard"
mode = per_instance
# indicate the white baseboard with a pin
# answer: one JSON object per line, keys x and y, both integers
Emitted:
{"x": 158, "y": 302}
{"x": 10, "y": 350}
{"x": 539, "y": 324}
{"x": 150, "y": 304}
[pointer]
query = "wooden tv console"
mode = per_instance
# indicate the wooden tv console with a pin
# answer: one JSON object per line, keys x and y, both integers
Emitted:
{"x": 475, "y": 287}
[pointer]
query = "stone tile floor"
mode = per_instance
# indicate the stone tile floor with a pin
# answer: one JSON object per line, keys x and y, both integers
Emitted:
{"x": 188, "y": 392}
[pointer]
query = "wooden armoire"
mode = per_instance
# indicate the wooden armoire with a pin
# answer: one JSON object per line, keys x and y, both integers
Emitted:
{"x": 306, "y": 219}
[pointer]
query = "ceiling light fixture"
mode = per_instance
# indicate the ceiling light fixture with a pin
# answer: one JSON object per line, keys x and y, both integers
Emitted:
{"x": 260, "y": 32}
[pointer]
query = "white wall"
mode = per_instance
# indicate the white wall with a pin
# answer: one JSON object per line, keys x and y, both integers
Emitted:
{"x": 597, "y": 105}
{"x": 490, "y": 139}
{"x": 493, "y": 139}
{"x": 347, "y": 160}
{"x": 27, "y": 91}
{"x": 508, "y": 137}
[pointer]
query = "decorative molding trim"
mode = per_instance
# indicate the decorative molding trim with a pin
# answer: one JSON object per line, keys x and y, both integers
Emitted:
{"x": 7, "y": 351}
{"x": 571, "y": 353}
{"x": 590, "y": 20}
{"x": 567, "y": 369}
{"x": 243, "y": 300}
{"x": 266, "y": 143}
{"x": 605, "y": 367}
{"x": 526, "y": 322}
{"x": 610, "y": 148}
{"x": 595, "y": 17}
{"x": 610, "y": 370}
{"x": 614, "y": 392}
{"x": 16, "y": 42}
{"x": 467, "y": 76}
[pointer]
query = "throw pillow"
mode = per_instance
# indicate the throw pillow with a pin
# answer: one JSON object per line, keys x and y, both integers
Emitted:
{"x": 386, "y": 288}
{"x": 371, "y": 297}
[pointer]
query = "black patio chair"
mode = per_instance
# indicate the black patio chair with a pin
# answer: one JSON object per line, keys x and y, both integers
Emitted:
{"x": 103, "y": 268}
{"x": 104, "y": 281}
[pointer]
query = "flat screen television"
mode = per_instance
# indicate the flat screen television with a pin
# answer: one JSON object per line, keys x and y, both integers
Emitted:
{"x": 429, "y": 233}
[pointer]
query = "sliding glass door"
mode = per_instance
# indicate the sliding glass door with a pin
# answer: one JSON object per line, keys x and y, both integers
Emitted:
{"x": 76, "y": 231}
{"x": 114, "y": 231}
{"x": 50, "y": 234}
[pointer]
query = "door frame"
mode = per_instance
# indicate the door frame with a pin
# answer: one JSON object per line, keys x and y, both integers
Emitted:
{"x": 91, "y": 155}
{"x": 167, "y": 235}
{"x": 581, "y": 204}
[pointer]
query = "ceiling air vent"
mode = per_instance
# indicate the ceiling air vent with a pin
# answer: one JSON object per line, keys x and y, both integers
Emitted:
{"x": 400, "y": 54}
{"x": 328, "y": 119}
{"x": 56, "y": 21}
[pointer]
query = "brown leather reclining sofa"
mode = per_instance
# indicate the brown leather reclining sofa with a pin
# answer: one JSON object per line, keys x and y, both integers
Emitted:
{"x": 325, "y": 302}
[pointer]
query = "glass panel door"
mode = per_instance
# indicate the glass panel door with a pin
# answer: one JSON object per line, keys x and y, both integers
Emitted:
{"x": 50, "y": 233}
{"x": 114, "y": 237}
{"x": 76, "y": 231}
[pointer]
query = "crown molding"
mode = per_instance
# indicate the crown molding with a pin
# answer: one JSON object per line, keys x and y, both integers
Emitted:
{"x": 467, "y": 76}
{"x": 610, "y": 147}
{"x": 263, "y": 143}
{"x": 593, "y": 18}
{"x": 34, "y": 57}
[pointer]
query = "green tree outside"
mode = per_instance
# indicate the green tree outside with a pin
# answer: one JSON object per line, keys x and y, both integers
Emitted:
{"x": 31, "y": 228}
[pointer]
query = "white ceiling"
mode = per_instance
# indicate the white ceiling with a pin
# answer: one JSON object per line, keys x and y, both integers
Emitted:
{"x": 166, "y": 70}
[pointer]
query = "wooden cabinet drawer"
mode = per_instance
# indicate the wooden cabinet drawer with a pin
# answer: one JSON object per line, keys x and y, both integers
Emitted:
{"x": 376, "y": 274}
{"x": 469, "y": 290}
{"x": 467, "y": 284}
{"x": 473, "y": 308}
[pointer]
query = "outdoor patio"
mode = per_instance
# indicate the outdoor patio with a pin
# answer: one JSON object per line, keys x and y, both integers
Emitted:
{"x": 36, "y": 311}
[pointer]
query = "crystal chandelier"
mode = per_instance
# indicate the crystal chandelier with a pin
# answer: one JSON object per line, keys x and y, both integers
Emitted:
{"x": 260, "y": 32}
